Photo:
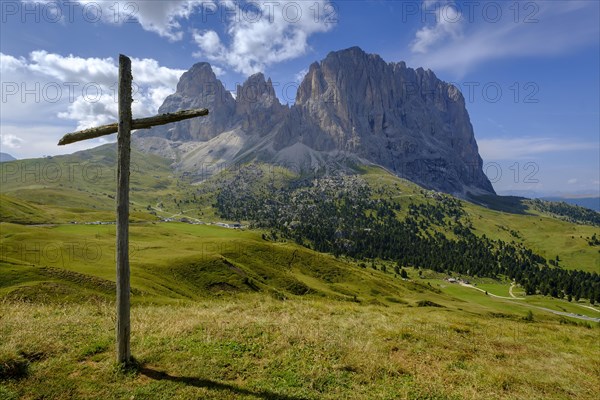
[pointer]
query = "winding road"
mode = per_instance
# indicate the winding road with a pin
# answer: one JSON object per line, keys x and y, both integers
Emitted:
{"x": 513, "y": 297}
{"x": 492, "y": 295}
{"x": 512, "y": 285}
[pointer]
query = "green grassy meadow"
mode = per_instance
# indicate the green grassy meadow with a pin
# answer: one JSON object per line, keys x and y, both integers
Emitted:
{"x": 219, "y": 313}
{"x": 251, "y": 346}
{"x": 544, "y": 234}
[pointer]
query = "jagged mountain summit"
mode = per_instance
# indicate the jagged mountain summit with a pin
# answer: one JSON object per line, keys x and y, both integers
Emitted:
{"x": 352, "y": 107}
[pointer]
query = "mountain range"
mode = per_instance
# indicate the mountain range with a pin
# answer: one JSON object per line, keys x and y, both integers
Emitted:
{"x": 352, "y": 108}
{"x": 5, "y": 157}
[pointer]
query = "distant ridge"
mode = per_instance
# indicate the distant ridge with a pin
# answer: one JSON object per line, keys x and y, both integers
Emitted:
{"x": 5, "y": 157}
{"x": 593, "y": 203}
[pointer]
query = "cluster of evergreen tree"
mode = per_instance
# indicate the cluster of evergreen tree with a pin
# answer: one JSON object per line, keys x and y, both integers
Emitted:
{"x": 567, "y": 211}
{"x": 340, "y": 215}
{"x": 594, "y": 241}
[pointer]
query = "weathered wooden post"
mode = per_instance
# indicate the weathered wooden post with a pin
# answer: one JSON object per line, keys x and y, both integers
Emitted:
{"x": 123, "y": 328}
{"x": 123, "y": 128}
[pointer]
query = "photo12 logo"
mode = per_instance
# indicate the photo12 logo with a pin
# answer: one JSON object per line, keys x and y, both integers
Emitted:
{"x": 268, "y": 11}
{"x": 494, "y": 92}
{"x": 473, "y": 91}
{"x": 49, "y": 171}
{"x": 54, "y": 92}
{"x": 453, "y": 12}
{"x": 524, "y": 172}
{"x": 69, "y": 11}
{"x": 51, "y": 252}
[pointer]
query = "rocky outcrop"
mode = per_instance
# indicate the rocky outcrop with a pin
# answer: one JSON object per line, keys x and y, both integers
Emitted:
{"x": 351, "y": 104}
{"x": 257, "y": 107}
{"x": 197, "y": 88}
{"x": 406, "y": 120}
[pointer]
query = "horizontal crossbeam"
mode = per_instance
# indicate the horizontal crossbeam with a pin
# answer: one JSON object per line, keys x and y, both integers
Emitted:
{"x": 142, "y": 123}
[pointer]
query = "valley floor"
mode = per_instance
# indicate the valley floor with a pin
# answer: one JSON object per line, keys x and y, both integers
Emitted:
{"x": 252, "y": 346}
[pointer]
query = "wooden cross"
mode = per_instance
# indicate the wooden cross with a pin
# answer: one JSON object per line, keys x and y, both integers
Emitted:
{"x": 124, "y": 127}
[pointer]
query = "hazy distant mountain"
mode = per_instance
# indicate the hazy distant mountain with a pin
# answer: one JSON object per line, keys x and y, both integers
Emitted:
{"x": 351, "y": 108}
{"x": 4, "y": 157}
{"x": 593, "y": 203}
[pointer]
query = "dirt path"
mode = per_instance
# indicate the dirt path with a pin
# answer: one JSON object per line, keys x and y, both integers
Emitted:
{"x": 511, "y": 293}
{"x": 589, "y": 307}
{"x": 566, "y": 314}
{"x": 490, "y": 294}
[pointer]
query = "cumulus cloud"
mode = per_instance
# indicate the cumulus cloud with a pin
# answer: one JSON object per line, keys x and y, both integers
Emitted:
{"x": 158, "y": 16}
{"x": 521, "y": 148}
{"x": 257, "y": 33}
{"x": 161, "y": 16}
{"x": 262, "y": 33}
{"x": 10, "y": 141}
{"x": 52, "y": 90}
{"x": 463, "y": 38}
{"x": 448, "y": 25}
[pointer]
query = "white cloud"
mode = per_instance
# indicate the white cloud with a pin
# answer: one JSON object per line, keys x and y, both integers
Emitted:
{"x": 67, "y": 93}
{"x": 161, "y": 16}
{"x": 208, "y": 42}
{"x": 158, "y": 16}
{"x": 38, "y": 141}
{"x": 299, "y": 77}
{"x": 11, "y": 141}
{"x": 520, "y": 148}
{"x": 542, "y": 29}
{"x": 448, "y": 24}
{"x": 79, "y": 89}
{"x": 572, "y": 181}
{"x": 262, "y": 33}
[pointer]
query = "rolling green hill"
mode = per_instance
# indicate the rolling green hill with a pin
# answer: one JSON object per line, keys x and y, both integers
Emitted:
{"x": 85, "y": 181}
{"x": 260, "y": 312}
{"x": 175, "y": 261}
{"x": 80, "y": 187}
{"x": 542, "y": 232}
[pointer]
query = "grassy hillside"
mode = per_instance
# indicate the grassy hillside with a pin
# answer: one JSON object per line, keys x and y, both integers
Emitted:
{"x": 220, "y": 313}
{"x": 173, "y": 262}
{"x": 85, "y": 181}
{"x": 80, "y": 187}
{"x": 17, "y": 211}
{"x": 179, "y": 261}
{"x": 256, "y": 347}
{"x": 547, "y": 236}
{"x": 544, "y": 234}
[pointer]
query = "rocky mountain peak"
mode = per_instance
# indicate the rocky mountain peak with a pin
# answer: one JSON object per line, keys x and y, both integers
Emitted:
{"x": 351, "y": 104}
{"x": 197, "y": 80}
{"x": 197, "y": 88}
{"x": 406, "y": 120}
{"x": 256, "y": 91}
{"x": 257, "y": 105}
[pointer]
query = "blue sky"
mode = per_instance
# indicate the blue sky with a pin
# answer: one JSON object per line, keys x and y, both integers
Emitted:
{"x": 529, "y": 70}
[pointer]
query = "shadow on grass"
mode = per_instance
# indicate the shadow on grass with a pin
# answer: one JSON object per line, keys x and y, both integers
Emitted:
{"x": 509, "y": 204}
{"x": 214, "y": 385}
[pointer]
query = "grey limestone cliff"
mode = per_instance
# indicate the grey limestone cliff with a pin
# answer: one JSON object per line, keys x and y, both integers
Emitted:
{"x": 351, "y": 104}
